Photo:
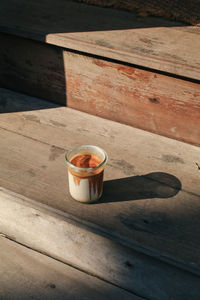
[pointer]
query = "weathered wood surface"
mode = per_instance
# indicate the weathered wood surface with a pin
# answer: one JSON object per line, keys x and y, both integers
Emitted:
{"x": 32, "y": 68}
{"x": 26, "y": 274}
{"x": 154, "y": 102}
{"x": 142, "y": 200}
{"x": 149, "y": 42}
{"x": 87, "y": 247}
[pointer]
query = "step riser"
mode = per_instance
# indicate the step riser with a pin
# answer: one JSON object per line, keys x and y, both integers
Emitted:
{"x": 143, "y": 99}
{"x": 82, "y": 246}
{"x": 32, "y": 68}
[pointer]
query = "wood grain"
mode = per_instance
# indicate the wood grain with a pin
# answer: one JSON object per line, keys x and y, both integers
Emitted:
{"x": 27, "y": 274}
{"x": 87, "y": 247}
{"x": 151, "y": 191}
{"x": 32, "y": 68}
{"x": 149, "y": 42}
{"x": 158, "y": 103}
{"x": 143, "y": 99}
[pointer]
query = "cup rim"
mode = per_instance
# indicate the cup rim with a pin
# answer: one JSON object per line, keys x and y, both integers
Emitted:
{"x": 80, "y": 169}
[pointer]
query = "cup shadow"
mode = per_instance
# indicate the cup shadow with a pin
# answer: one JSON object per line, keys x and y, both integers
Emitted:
{"x": 152, "y": 185}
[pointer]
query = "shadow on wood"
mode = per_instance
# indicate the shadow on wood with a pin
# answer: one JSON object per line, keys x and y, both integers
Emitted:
{"x": 12, "y": 102}
{"x": 31, "y": 68}
{"x": 152, "y": 185}
{"x": 48, "y": 16}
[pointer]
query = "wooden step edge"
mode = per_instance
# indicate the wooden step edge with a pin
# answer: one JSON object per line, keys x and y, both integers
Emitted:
{"x": 141, "y": 59}
{"x": 148, "y": 62}
{"x": 165, "y": 61}
{"x": 81, "y": 245}
{"x": 28, "y": 274}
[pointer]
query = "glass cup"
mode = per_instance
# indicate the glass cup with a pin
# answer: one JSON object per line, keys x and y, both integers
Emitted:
{"x": 86, "y": 183}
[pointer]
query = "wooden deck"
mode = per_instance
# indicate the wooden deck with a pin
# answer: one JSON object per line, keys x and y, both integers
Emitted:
{"x": 105, "y": 65}
{"x": 151, "y": 190}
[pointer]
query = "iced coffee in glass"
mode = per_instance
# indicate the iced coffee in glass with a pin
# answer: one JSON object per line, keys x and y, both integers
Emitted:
{"x": 86, "y": 165}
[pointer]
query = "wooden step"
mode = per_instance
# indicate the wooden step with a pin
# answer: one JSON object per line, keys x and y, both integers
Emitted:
{"x": 27, "y": 274}
{"x": 149, "y": 42}
{"x": 90, "y": 249}
{"x": 140, "y": 72}
{"x": 145, "y": 229}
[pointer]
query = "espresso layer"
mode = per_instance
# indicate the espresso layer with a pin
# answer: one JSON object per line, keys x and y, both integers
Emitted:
{"x": 86, "y": 160}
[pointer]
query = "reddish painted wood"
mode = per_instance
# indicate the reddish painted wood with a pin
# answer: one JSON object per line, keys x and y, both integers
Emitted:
{"x": 143, "y": 99}
{"x": 140, "y": 98}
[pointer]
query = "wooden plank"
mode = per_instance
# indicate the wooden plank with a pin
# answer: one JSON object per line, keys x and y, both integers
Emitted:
{"x": 54, "y": 125}
{"x": 32, "y": 68}
{"x": 148, "y": 42}
{"x": 136, "y": 204}
{"x": 143, "y": 99}
{"x": 65, "y": 238}
{"x": 27, "y": 274}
